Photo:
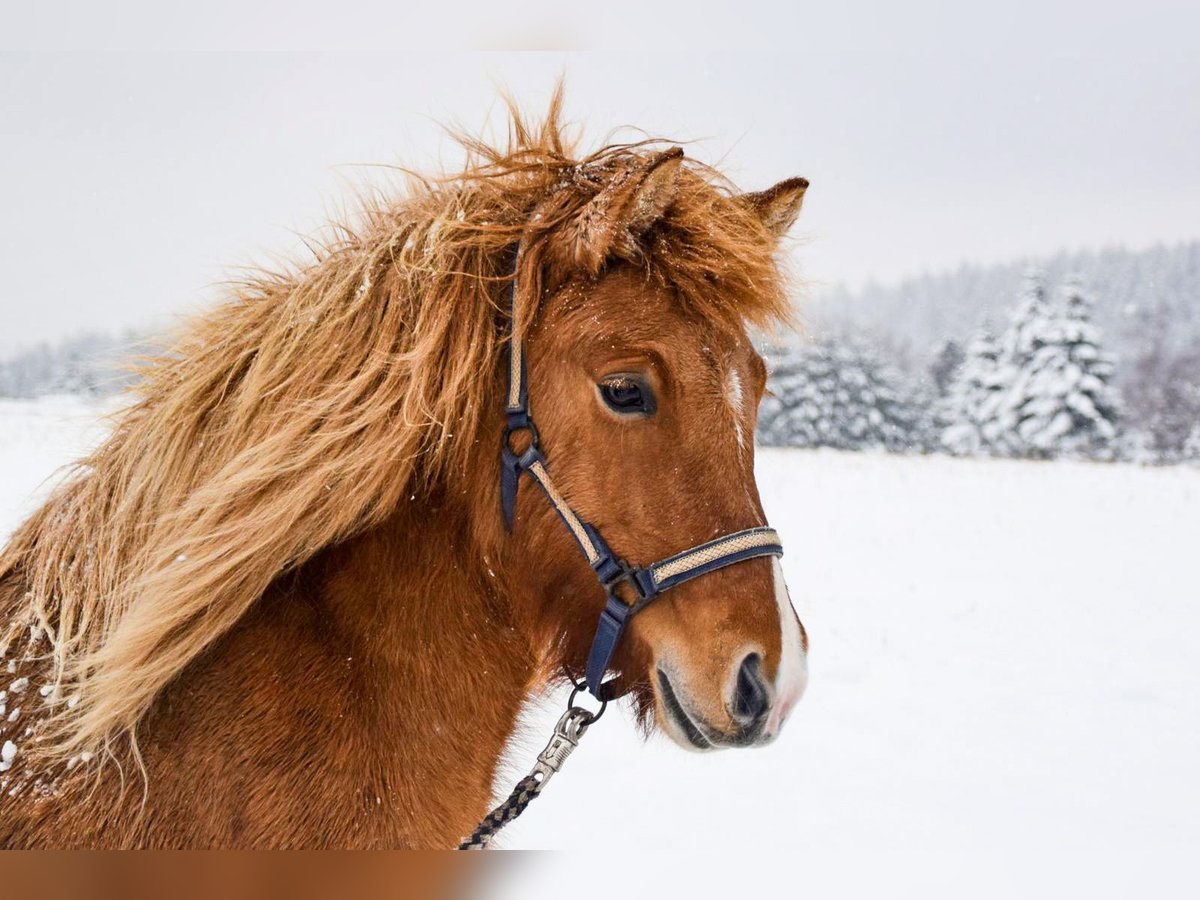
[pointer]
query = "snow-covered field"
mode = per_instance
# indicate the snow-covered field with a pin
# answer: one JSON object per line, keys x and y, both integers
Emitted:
{"x": 1003, "y": 693}
{"x": 37, "y": 439}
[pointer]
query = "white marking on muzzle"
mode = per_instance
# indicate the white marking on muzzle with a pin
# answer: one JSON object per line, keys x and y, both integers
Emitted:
{"x": 792, "y": 676}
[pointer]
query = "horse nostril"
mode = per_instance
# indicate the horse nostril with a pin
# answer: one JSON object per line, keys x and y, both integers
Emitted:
{"x": 750, "y": 698}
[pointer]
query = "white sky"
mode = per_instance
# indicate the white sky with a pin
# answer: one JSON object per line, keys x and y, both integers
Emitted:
{"x": 131, "y": 182}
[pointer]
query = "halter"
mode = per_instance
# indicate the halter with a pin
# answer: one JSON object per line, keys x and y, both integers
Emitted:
{"x": 646, "y": 582}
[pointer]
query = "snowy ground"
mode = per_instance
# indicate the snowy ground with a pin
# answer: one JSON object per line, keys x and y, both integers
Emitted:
{"x": 38, "y": 438}
{"x": 1003, "y": 693}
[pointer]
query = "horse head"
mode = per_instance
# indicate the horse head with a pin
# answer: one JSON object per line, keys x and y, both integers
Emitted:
{"x": 646, "y": 385}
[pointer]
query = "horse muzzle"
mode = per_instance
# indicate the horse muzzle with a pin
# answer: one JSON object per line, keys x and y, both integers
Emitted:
{"x": 752, "y": 715}
{"x": 737, "y": 705}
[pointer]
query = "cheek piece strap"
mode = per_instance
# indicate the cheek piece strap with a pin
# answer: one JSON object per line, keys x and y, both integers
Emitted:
{"x": 644, "y": 583}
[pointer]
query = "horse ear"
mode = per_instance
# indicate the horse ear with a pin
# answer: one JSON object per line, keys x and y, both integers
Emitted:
{"x": 778, "y": 206}
{"x": 613, "y": 220}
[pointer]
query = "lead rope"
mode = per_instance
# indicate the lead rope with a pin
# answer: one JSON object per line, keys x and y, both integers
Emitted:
{"x": 573, "y": 724}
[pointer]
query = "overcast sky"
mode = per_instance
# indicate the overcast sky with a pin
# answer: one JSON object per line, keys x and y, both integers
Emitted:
{"x": 131, "y": 182}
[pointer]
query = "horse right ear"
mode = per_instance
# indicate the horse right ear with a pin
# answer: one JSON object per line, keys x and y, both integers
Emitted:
{"x": 627, "y": 206}
{"x": 778, "y": 206}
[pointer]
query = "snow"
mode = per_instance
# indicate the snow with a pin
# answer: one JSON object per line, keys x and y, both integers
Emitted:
{"x": 1001, "y": 696}
{"x": 37, "y": 438}
{"x": 1002, "y": 693}
{"x": 7, "y": 754}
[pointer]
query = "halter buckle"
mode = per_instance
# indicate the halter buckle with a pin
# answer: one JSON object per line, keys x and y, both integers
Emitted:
{"x": 625, "y": 574}
{"x": 638, "y": 578}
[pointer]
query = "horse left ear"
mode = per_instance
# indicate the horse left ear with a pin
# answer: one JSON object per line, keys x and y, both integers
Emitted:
{"x": 778, "y": 206}
{"x": 624, "y": 209}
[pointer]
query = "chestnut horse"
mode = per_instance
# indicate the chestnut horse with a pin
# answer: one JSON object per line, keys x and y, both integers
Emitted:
{"x": 279, "y": 607}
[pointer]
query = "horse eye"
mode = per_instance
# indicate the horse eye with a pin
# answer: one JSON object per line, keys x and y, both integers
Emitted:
{"x": 628, "y": 395}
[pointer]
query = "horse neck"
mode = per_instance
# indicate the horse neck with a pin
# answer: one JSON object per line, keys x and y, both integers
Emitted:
{"x": 413, "y": 606}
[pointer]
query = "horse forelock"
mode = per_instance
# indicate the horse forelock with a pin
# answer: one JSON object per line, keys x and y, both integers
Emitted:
{"x": 310, "y": 405}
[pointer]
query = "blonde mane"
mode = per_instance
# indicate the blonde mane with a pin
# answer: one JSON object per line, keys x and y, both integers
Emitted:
{"x": 306, "y": 408}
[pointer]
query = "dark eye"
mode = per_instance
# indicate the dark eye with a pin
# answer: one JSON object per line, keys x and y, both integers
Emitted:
{"x": 627, "y": 394}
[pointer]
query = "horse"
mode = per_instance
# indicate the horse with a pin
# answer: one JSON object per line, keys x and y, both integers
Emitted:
{"x": 279, "y": 607}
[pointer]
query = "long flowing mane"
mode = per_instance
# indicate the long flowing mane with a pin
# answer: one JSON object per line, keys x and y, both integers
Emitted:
{"x": 307, "y": 407}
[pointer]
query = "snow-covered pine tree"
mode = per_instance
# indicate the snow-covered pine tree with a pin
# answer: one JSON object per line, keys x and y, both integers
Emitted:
{"x": 1061, "y": 402}
{"x": 782, "y": 366}
{"x": 836, "y": 393}
{"x": 925, "y": 402}
{"x": 943, "y": 369}
{"x": 961, "y": 412}
{"x": 1028, "y": 328}
{"x": 1137, "y": 446}
{"x": 1191, "y": 447}
{"x": 87, "y": 364}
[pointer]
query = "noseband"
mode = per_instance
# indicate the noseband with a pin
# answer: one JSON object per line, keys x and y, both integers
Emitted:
{"x": 646, "y": 583}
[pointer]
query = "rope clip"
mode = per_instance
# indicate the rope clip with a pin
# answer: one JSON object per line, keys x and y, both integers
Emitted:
{"x": 570, "y": 728}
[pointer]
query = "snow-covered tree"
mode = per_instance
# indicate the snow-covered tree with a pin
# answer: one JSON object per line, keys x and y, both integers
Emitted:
{"x": 1163, "y": 397}
{"x": 1027, "y": 331}
{"x": 943, "y": 369}
{"x": 1059, "y": 400}
{"x": 1043, "y": 390}
{"x": 1137, "y": 446}
{"x": 925, "y": 401}
{"x": 1146, "y": 303}
{"x": 1191, "y": 447}
{"x": 88, "y": 364}
{"x": 836, "y": 393}
{"x": 961, "y": 413}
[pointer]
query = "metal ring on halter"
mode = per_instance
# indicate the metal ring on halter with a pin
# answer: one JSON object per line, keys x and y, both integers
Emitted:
{"x": 580, "y": 687}
{"x": 528, "y": 426}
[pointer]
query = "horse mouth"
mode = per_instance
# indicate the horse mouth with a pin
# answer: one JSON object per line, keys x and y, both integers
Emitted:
{"x": 699, "y": 733}
{"x": 677, "y": 714}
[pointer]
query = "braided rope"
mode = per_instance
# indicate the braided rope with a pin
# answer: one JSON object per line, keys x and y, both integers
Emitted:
{"x": 570, "y": 728}
{"x": 522, "y": 795}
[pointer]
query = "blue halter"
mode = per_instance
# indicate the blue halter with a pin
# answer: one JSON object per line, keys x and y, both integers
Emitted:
{"x": 646, "y": 582}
